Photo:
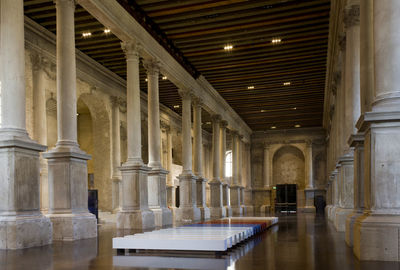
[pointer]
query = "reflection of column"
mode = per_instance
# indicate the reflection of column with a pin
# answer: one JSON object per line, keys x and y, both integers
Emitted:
{"x": 198, "y": 159}
{"x": 265, "y": 208}
{"x": 188, "y": 209}
{"x": 22, "y": 224}
{"x": 225, "y": 185}
{"x": 217, "y": 210}
{"x": 39, "y": 63}
{"x": 134, "y": 213}
{"x": 116, "y": 176}
{"x": 237, "y": 210}
{"x": 157, "y": 176}
{"x": 67, "y": 164}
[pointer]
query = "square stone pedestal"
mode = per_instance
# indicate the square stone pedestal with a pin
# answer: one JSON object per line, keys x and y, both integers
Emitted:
{"x": 237, "y": 209}
{"x": 376, "y": 238}
{"x": 309, "y": 198}
{"x": 340, "y": 217}
{"x": 217, "y": 209}
{"x": 68, "y": 193}
{"x": 22, "y": 225}
{"x": 188, "y": 211}
{"x": 157, "y": 194}
{"x": 201, "y": 198}
{"x": 226, "y": 201}
{"x": 349, "y": 234}
{"x": 135, "y": 213}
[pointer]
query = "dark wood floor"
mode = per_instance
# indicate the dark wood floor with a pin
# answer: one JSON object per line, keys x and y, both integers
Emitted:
{"x": 298, "y": 242}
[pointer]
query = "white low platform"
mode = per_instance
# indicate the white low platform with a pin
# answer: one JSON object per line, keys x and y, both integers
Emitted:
{"x": 212, "y": 237}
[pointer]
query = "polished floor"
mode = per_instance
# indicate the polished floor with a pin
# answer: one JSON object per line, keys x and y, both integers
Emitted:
{"x": 298, "y": 242}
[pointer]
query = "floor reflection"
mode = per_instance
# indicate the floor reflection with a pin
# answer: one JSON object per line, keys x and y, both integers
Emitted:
{"x": 298, "y": 242}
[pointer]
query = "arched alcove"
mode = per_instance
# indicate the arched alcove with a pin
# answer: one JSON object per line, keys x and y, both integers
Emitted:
{"x": 289, "y": 166}
{"x": 94, "y": 138}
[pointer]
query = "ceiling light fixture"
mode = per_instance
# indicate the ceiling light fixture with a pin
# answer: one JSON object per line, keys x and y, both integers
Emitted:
{"x": 273, "y": 127}
{"x": 146, "y": 80}
{"x": 164, "y": 78}
{"x": 294, "y": 108}
{"x": 276, "y": 40}
{"x": 263, "y": 110}
{"x": 176, "y": 106}
{"x": 228, "y": 47}
{"x": 297, "y": 126}
{"x": 107, "y": 31}
{"x": 86, "y": 34}
{"x": 286, "y": 83}
{"x": 250, "y": 87}
{"x": 208, "y": 123}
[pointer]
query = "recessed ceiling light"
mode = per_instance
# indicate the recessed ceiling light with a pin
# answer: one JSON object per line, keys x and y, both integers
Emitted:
{"x": 294, "y": 108}
{"x": 208, "y": 123}
{"x": 86, "y": 34}
{"x": 276, "y": 40}
{"x": 228, "y": 47}
{"x": 107, "y": 31}
{"x": 164, "y": 78}
{"x": 145, "y": 80}
{"x": 176, "y": 106}
{"x": 263, "y": 110}
{"x": 273, "y": 127}
{"x": 250, "y": 87}
{"x": 297, "y": 126}
{"x": 286, "y": 83}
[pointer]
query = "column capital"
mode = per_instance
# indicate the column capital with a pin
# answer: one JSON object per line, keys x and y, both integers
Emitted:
{"x": 216, "y": 118}
{"x": 152, "y": 66}
{"x": 351, "y": 16}
{"x": 72, "y": 3}
{"x": 197, "y": 102}
{"x": 234, "y": 133}
{"x": 117, "y": 101}
{"x": 164, "y": 125}
{"x": 131, "y": 49}
{"x": 309, "y": 143}
{"x": 267, "y": 146}
{"x": 39, "y": 61}
{"x": 186, "y": 93}
{"x": 224, "y": 123}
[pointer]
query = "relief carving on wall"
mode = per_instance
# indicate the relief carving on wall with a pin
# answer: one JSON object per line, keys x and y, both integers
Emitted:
{"x": 289, "y": 167}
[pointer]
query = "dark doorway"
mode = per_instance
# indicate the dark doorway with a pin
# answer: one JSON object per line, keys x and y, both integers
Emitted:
{"x": 177, "y": 202}
{"x": 286, "y": 199}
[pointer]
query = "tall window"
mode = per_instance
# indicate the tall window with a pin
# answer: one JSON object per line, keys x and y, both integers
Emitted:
{"x": 228, "y": 164}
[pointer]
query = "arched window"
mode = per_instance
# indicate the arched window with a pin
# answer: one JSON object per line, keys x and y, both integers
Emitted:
{"x": 228, "y": 164}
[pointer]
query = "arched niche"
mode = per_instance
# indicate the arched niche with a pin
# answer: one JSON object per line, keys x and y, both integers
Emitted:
{"x": 100, "y": 129}
{"x": 289, "y": 166}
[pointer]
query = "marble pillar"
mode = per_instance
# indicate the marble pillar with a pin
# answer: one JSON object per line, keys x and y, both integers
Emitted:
{"x": 67, "y": 163}
{"x": 248, "y": 191}
{"x": 171, "y": 199}
{"x": 237, "y": 209}
{"x": 198, "y": 160}
{"x": 241, "y": 174}
{"x": 309, "y": 190}
{"x": 216, "y": 207}
{"x": 22, "y": 225}
{"x": 135, "y": 212}
{"x": 226, "y": 201}
{"x": 376, "y": 234}
{"x": 188, "y": 210}
{"x": 116, "y": 176}
{"x": 356, "y": 142}
{"x": 157, "y": 176}
{"x": 265, "y": 208}
{"x": 40, "y": 66}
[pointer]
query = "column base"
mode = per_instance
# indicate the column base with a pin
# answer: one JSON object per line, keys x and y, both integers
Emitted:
{"x": 70, "y": 227}
{"x": 376, "y": 238}
{"x": 349, "y": 234}
{"x": 331, "y": 213}
{"x": 326, "y": 211}
{"x": 135, "y": 219}
{"x": 307, "y": 209}
{"x": 265, "y": 210}
{"x": 162, "y": 217}
{"x": 188, "y": 214}
{"x": 217, "y": 212}
{"x": 237, "y": 211}
{"x": 157, "y": 195}
{"x": 340, "y": 217}
{"x": 249, "y": 210}
{"x": 228, "y": 211}
{"x": 205, "y": 213}
{"x": 18, "y": 232}
{"x": 188, "y": 211}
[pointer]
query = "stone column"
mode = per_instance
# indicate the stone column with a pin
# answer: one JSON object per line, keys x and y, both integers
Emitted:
{"x": 265, "y": 208}
{"x": 242, "y": 175}
{"x": 188, "y": 210}
{"x": 67, "y": 163}
{"x": 22, "y": 225}
{"x": 198, "y": 160}
{"x": 171, "y": 200}
{"x": 225, "y": 185}
{"x": 116, "y": 176}
{"x": 376, "y": 233}
{"x": 309, "y": 190}
{"x": 217, "y": 210}
{"x": 248, "y": 191}
{"x": 237, "y": 209}
{"x": 134, "y": 213}
{"x": 157, "y": 176}
{"x": 39, "y": 66}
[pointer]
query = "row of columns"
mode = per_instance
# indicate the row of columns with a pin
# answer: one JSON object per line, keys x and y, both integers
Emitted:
{"x": 363, "y": 187}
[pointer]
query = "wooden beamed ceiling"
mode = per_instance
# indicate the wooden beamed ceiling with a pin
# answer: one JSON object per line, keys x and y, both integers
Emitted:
{"x": 195, "y": 33}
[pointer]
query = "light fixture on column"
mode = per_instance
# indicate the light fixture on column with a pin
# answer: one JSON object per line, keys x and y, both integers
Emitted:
{"x": 228, "y": 47}
{"x": 86, "y": 34}
{"x": 286, "y": 83}
{"x": 250, "y": 87}
{"x": 107, "y": 31}
{"x": 294, "y": 108}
